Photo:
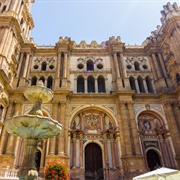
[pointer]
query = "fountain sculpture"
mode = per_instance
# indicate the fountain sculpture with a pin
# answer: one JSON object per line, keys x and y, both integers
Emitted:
{"x": 33, "y": 127}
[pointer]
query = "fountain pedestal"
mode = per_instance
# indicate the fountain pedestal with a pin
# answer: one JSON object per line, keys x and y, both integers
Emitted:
{"x": 33, "y": 127}
{"x": 28, "y": 164}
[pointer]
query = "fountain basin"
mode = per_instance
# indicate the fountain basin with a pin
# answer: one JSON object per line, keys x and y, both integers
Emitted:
{"x": 33, "y": 126}
{"x": 33, "y": 93}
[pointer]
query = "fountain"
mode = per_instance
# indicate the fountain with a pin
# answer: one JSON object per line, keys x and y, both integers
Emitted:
{"x": 33, "y": 127}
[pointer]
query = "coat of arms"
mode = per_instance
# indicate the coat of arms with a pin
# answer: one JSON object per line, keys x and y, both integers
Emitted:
{"x": 92, "y": 121}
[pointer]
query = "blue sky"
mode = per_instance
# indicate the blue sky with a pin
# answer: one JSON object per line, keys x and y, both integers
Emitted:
{"x": 132, "y": 20}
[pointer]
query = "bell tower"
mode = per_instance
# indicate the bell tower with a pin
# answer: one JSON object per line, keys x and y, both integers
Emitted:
{"x": 16, "y": 22}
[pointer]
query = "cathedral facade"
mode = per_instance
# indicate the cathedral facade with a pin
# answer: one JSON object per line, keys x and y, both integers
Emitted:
{"x": 119, "y": 104}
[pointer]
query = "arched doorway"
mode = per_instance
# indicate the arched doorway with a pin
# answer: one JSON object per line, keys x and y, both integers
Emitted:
{"x": 38, "y": 159}
{"x": 153, "y": 160}
{"x": 93, "y": 162}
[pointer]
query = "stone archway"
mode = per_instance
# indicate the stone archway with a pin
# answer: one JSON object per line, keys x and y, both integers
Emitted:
{"x": 93, "y": 162}
{"x": 153, "y": 159}
{"x": 91, "y": 126}
{"x": 154, "y": 134}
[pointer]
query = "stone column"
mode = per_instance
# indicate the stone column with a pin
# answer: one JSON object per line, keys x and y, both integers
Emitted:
{"x": 52, "y": 143}
{"x": 66, "y": 127}
{"x": 156, "y": 66}
{"x": 6, "y": 42}
{"x": 137, "y": 86}
{"x": 4, "y": 134}
{"x": 68, "y": 70}
{"x": 96, "y": 85}
{"x": 173, "y": 127}
{"x": 74, "y": 151}
{"x": 112, "y": 151}
{"x": 20, "y": 64}
{"x": 26, "y": 65}
{"x": 152, "y": 83}
{"x": 29, "y": 65}
{"x": 13, "y": 5}
{"x": 65, "y": 65}
{"x": 107, "y": 89}
{"x": 118, "y": 77}
{"x": 135, "y": 136}
{"x": 17, "y": 151}
{"x": 177, "y": 114}
{"x": 162, "y": 64}
{"x": 4, "y": 37}
{"x": 11, "y": 139}
{"x": 43, "y": 155}
{"x": 105, "y": 148}
{"x": 161, "y": 140}
{"x": 113, "y": 72}
{"x": 85, "y": 84}
{"x": 152, "y": 67}
{"x": 116, "y": 65}
{"x": 125, "y": 128}
{"x": 75, "y": 85}
{"x": 45, "y": 81}
{"x": 61, "y": 135}
{"x": 81, "y": 151}
{"x": 64, "y": 79}
{"x": 170, "y": 150}
{"x": 121, "y": 133}
{"x": 58, "y": 64}
{"x": 124, "y": 73}
{"x": 123, "y": 65}
{"x": 145, "y": 86}
{"x": 119, "y": 153}
{"x": 20, "y": 8}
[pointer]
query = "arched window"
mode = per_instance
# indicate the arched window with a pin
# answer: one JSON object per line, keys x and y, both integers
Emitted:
{"x": 3, "y": 9}
{"x": 91, "y": 86}
{"x": 90, "y": 65}
{"x": 34, "y": 81}
{"x": 80, "y": 84}
{"x": 101, "y": 84}
{"x": 177, "y": 78}
{"x": 42, "y": 79}
{"x": 22, "y": 21}
{"x": 22, "y": 66}
{"x": 43, "y": 67}
{"x": 132, "y": 83}
{"x": 141, "y": 86}
{"x": 1, "y": 111}
{"x": 149, "y": 85}
{"x": 49, "y": 82}
{"x": 136, "y": 66}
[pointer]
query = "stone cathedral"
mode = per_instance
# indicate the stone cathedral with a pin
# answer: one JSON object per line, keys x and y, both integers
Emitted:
{"x": 119, "y": 104}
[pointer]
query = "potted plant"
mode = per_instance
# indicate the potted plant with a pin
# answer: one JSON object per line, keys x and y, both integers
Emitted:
{"x": 56, "y": 171}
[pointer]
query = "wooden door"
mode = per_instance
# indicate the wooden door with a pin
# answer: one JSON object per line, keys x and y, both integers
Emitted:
{"x": 93, "y": 162}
